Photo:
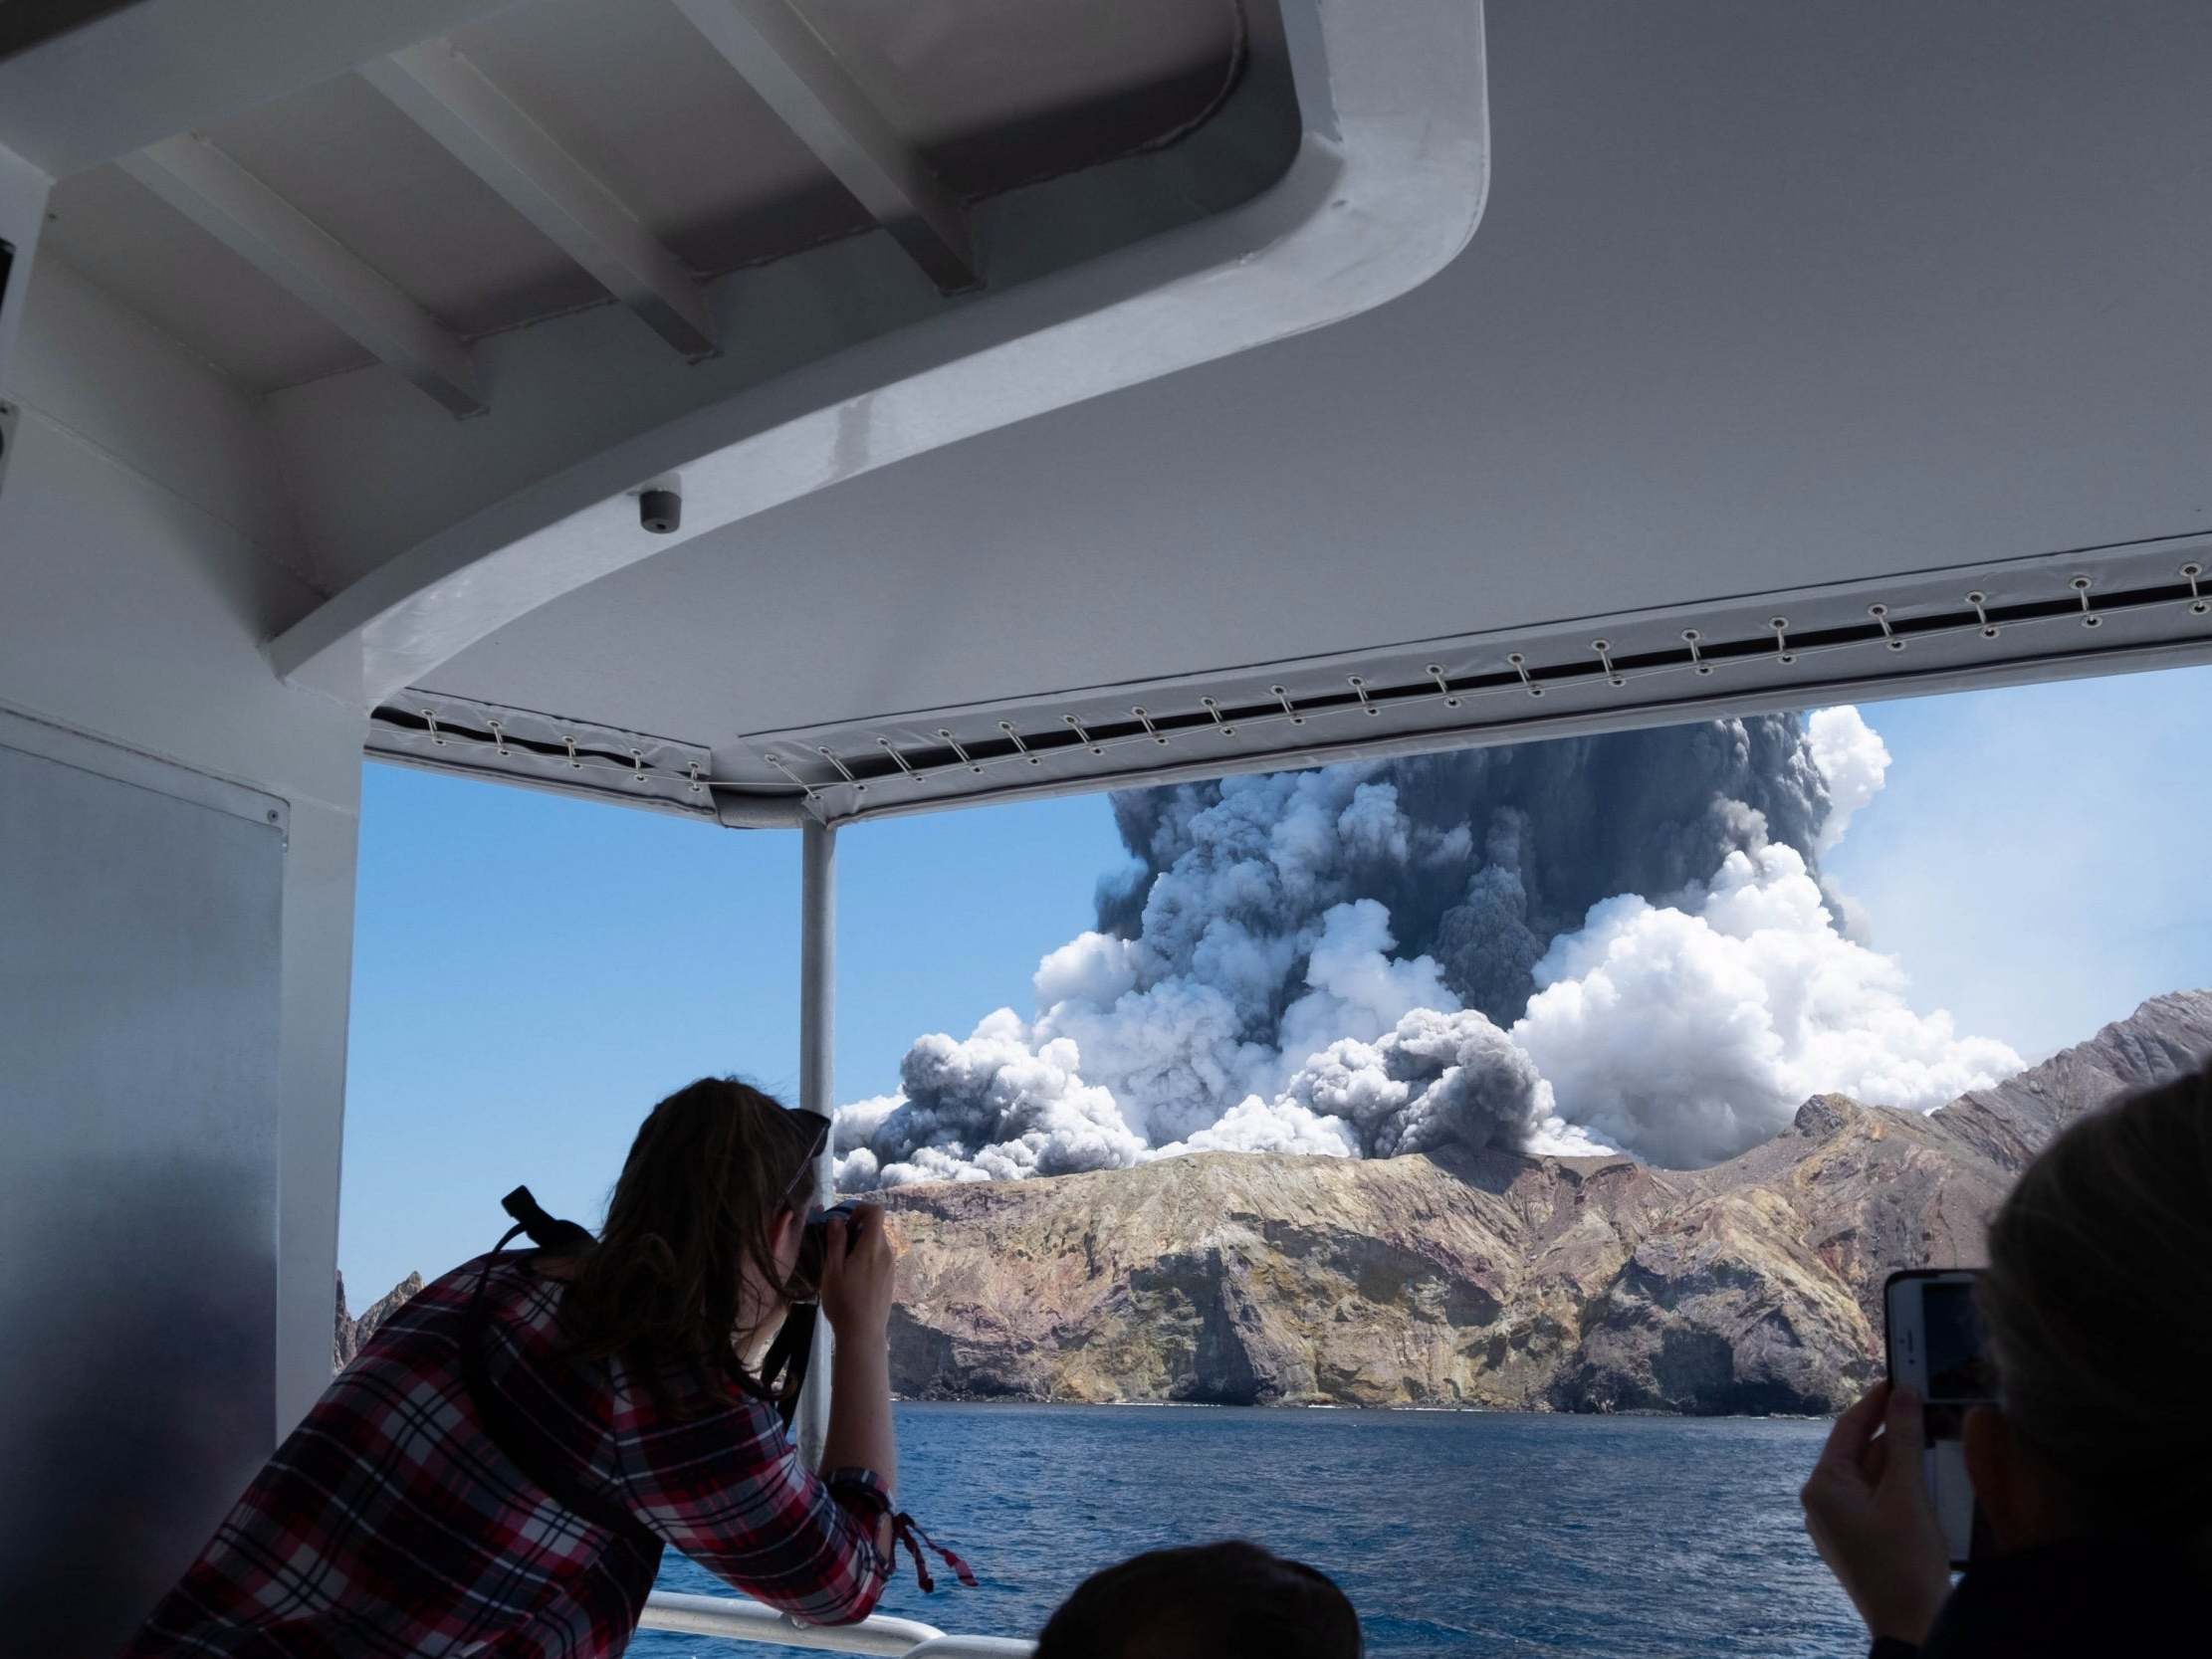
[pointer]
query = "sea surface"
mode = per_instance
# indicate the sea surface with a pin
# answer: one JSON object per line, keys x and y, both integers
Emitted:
{"x": 1453, "y": 1533}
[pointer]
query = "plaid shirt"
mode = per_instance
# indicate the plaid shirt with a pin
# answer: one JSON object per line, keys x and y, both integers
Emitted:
{"x": 389, "y": 1524}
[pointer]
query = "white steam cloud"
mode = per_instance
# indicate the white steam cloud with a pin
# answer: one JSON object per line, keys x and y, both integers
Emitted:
{"x": 1854, "y": 761}
{"x": 1690, "y": 1032}
{"x": 1561, "y": 948}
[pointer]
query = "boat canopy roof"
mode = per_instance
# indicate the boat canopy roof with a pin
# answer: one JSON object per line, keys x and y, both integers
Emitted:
{"x": 1073, "y": 393}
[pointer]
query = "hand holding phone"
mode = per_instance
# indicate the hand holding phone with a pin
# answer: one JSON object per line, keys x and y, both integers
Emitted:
{"x": 1868, "y": 1509}
{"x": 1937, "y": 1350}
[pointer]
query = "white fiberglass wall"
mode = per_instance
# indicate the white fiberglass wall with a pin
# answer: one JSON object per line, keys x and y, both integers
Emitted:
{"x": 173, "y": 1022}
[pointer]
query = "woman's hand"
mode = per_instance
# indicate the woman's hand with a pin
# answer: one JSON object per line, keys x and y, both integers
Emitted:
{"x": 855, "y": 1297}
{"x": 857, "y": 1268}
{"x": 1867, "y": 1507}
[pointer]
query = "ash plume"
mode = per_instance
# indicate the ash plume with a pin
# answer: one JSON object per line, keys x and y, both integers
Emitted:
{"x": 1560, "y": 946}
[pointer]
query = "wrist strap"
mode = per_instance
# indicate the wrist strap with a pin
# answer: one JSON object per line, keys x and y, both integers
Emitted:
{"x": 904, "y": 1529}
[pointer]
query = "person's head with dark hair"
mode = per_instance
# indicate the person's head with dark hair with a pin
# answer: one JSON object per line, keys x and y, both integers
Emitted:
{"x": 2090, "y": 1470}
{"x": 693, "y": 1265}
{"x": 1229, "y": 1601}
{"x": 2099, "y": 1321}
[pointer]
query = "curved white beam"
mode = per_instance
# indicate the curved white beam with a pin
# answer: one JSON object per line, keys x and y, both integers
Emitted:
{"x": 1388, "y": 185}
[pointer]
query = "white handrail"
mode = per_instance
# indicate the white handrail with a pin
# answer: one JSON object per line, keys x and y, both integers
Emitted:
{"x": 739, "y": 1619}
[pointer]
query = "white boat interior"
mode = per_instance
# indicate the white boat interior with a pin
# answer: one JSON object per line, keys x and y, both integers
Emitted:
{"x": 791, "y": 412}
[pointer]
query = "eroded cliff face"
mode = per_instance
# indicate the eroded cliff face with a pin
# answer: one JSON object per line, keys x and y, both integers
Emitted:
{"x": 351, "y": 1333}
{"x": 1494, "y": 1280}
{"x": 1488, "y": 1280}
{"x": 2012, "y": 1121}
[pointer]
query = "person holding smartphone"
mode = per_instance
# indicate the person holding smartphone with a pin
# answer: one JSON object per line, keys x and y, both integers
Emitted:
{"x": 2092, "y": 1465}
{"x": 501, "y": 1466}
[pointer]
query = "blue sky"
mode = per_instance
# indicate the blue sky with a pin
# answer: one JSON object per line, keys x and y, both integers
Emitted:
{"x": 2038, "y": 857}
{"x": 532, "y": 973}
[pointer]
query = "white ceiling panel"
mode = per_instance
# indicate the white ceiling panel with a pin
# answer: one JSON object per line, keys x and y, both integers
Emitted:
{"x": 1767, "y": 302}
{"x": 363, "y": 172}
{"x": 636, "y": 95}
{"x": 216, "y": 305}
{"x": 1002, "y": 92}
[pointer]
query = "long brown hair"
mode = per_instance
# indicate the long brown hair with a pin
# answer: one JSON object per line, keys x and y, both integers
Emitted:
{"x": 713, "y": 1168}
{"x": 2096, "y": 1304}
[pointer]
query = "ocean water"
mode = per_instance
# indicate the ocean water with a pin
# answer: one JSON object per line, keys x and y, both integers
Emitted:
{"x": 1454, "y": 1533}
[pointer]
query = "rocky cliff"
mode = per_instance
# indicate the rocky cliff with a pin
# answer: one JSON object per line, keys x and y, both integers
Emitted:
{"x": 351, "y": 1333}
{"x": 2010, "y": 1123}
{"x": 1569, "y": 1284}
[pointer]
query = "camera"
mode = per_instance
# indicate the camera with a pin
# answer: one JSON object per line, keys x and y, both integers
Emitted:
{"x": 783, "y": 1366}
{"x": 814, "y": 1245}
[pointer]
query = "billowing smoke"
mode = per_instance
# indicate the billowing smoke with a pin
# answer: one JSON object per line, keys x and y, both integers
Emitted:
{"x": 1691, "y": 1031}
{"x": 1593, "y": 941}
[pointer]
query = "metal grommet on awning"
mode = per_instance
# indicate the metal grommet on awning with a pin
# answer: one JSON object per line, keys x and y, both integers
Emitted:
{"x": 2089, "y": 618}
{"x": 777, "y": 762}
{"x": 1880, "y": 613}
{"x": 898, "y": 760}
{"x": 844, "y": 771}
{"x": 967, "y": 759}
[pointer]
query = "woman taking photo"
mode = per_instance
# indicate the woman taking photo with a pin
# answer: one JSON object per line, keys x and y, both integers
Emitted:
{"x": 2091, "y": 1469}
{"x": 615, "y": 1406}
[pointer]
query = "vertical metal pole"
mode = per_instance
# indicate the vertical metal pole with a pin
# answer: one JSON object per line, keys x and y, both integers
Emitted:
{"x": 817, "y": 1006}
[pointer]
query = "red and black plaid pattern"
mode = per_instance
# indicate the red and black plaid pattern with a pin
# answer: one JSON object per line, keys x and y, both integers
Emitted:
{"x": 388, "y": 1524}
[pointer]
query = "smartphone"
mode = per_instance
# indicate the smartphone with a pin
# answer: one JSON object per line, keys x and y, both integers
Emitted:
{"x": 1935, "y": 1349}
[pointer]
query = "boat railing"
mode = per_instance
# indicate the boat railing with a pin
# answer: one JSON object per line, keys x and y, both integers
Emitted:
{"x": 740, "y": 1619}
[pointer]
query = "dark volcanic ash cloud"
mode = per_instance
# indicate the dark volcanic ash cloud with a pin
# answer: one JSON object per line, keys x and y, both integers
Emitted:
{"x": 1599, "y": 941}
{"x": 1481, "y": 857}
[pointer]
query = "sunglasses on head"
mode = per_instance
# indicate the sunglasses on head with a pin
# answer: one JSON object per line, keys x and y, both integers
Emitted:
{"x": 817, "y": 1128}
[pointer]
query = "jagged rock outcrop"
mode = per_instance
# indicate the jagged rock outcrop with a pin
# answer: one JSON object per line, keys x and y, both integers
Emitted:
{"x": 1492, "y": 1279}
{"x": 353, "y": 1332}
{"x": 2010, "y": 1123}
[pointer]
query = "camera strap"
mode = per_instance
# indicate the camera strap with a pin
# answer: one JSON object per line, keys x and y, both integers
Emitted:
{"x": 784, "y": 1365}
{"x": 500, "y": 1422}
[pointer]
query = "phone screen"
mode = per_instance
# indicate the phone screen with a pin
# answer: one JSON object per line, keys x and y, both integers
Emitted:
{"x": 1935, "y": 1349}
{"x": 1958, "y": 1371}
